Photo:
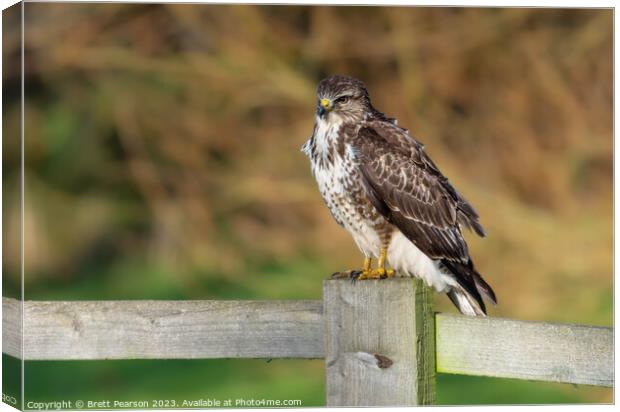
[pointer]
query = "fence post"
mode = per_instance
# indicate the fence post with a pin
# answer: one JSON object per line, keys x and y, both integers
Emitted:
{"x": 379, "y": 343}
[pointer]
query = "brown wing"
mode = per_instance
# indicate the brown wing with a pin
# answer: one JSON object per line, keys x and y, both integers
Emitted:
{"x": 408, "y": 189}
{"x": 399, "y": 141}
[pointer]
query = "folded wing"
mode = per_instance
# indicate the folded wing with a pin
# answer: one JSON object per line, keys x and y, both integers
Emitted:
{"x": 408, "y": 189}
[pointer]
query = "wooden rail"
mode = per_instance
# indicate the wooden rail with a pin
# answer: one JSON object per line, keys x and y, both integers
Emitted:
{"x": 375, "y": 336}
{"x": 540, "y": 351}
{"x": 142, "y": 329}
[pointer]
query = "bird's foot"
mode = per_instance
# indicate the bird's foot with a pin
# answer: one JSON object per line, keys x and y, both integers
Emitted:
{"x": 378, "y": 273}
{"x": 347, "y": 274}
{"x": 367, "y": 273}
{"x": 354, "y": 274}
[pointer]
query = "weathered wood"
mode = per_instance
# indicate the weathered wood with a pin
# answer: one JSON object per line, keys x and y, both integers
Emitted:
{"x": 379, "y": 343}
{"x": 12, "y": 327}
{"x": 168, "y": 329}
{"x": 525, "y": 350}
{"x": 294, "y": 329}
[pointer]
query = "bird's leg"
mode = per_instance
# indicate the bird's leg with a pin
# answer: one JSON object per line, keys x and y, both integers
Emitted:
{"x": 381, "y": 272}
{"x": 367, "y": 264}
{"x": 366, "y": 270}
{"x": 384, "y": 273}
{"x": 356, "y": 274}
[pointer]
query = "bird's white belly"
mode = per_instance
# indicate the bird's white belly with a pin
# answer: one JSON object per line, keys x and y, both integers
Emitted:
{"x": 407, "y": 260}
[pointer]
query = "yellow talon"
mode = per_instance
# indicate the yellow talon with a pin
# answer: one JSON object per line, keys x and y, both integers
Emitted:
{"x": 367, "y": 272}
{"x": 355, "y": 274}
{"x": 380, "y": 272}
{"x": 365, "y": 269}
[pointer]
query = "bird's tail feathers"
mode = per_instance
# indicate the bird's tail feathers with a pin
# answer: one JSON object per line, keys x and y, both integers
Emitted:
{"x": 469, "y": 289}
{"x": 465, "y": 302}
{"x": 471, "y": 222}
{"x": 484, "y": 288}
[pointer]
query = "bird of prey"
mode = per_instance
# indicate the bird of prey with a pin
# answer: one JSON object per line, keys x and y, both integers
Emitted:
{"x": 382, "y": 187}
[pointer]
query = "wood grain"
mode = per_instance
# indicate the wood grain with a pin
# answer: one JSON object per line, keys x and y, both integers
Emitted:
{"x": 525, "y": 350}
{"x": 12, "y": 327}
{"x": 379, "y": 343}
{"x": 170, "y": 329}
{"x": 295, "y": 329}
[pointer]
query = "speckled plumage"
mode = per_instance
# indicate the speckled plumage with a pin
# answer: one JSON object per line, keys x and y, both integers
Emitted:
{"x": 338, "y": 177}
{"x": 381, "y": 186}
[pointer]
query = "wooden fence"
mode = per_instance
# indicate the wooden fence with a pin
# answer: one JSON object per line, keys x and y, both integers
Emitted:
{"x": 381, "y": 342}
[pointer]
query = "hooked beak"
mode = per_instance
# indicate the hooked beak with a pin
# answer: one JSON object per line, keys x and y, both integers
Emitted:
{"x": 325, "y": 105}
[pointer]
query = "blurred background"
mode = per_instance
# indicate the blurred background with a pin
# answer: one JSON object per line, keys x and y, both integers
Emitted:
{"x": 162, "y": 147}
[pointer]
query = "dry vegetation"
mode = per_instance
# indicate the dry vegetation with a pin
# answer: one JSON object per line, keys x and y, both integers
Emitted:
{"x": 172, "y": 132}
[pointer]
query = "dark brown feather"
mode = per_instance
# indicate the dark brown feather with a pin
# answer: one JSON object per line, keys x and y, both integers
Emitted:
{"x": 399, "y": 141}
{"x": 416, "y": 200}
{"x": 408, "y": 189}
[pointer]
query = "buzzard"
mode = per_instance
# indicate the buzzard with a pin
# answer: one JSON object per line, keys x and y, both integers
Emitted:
{"x": 382, "y": 187}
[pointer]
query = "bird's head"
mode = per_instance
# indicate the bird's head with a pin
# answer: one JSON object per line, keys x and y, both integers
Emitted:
{"x": 342, "y": 98}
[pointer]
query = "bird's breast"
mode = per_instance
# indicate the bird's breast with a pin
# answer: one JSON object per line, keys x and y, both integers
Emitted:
{"x": 341, "y": 187}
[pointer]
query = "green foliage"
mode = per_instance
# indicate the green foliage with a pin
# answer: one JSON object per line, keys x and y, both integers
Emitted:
{"x": 179, "y": 380}
{"x": 255, "y": 379}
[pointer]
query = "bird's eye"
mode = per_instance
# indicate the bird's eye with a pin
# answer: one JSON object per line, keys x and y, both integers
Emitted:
{"x": 342, "y": 99}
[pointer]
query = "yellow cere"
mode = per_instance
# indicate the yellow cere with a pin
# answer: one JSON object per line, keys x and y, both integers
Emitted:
{"x": 326, "y": 103}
